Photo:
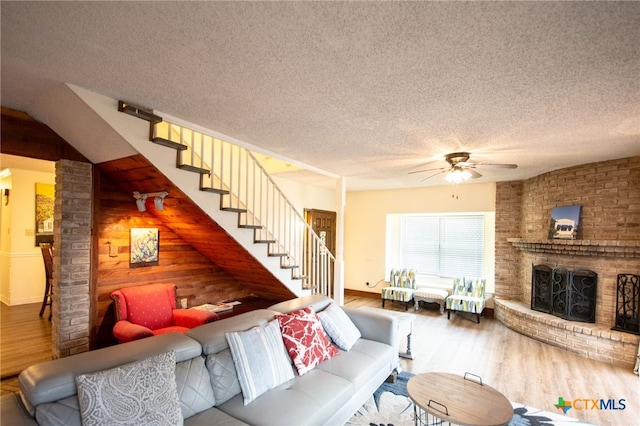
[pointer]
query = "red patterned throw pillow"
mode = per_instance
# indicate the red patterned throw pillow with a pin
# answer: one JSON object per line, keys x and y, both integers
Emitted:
{"x": 305, "y": 339}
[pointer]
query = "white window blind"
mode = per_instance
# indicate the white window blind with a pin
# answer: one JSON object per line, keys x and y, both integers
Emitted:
{"x": 444, "y": 246}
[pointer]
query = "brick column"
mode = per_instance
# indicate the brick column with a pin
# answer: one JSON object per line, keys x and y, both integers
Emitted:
{"x": 508, "y": 272}
{"x": 72, "y": 261}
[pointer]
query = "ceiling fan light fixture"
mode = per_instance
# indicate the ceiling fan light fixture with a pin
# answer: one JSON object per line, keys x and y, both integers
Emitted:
{"x": 457, "y": 175}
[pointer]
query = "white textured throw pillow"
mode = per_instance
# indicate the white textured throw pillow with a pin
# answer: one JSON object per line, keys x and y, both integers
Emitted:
{"x": 339, "y": 327}
{"x": 260, "y": 358}
{"x": 142, "y": 392}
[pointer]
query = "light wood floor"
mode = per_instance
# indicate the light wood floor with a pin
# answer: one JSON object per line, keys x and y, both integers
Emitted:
{"x": 523, "y": 369}
{"x": 25, "y": 338}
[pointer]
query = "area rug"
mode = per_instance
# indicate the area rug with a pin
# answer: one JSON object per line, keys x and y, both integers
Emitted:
{"x": 390, "y": 406}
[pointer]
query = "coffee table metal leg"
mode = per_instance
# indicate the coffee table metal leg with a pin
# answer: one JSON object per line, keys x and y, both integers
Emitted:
{"x": 421, "y": 418}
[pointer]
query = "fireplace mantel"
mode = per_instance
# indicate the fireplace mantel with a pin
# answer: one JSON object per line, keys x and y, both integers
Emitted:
{"x": 593, "y": 248}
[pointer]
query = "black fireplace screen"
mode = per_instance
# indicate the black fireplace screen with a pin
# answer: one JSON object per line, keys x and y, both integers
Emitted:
{"x": 628, "y": 303}
{"x": 566, "y": 294}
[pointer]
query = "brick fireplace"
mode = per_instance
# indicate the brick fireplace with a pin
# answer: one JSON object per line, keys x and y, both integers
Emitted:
{"x": 609, "y": 244}
{"x": 566, "y": 294}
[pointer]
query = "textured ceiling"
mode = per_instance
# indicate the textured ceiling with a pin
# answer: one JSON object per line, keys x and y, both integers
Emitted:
{"x": 365, "y": 90}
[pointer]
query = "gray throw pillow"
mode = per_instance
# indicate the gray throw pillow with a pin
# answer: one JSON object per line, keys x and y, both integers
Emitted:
{"x": 142, "y": 392}
{"x": 339, "y": 327}
{"x": 260, "y": 358}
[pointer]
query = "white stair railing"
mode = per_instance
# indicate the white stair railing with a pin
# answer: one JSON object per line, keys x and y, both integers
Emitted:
{"x": 246, "y": 187}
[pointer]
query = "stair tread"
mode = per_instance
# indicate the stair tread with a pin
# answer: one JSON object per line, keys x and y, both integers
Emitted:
{"x": 214, "y": 190}
{"x": 169, "y": 144}
{"x": 233, "y": 209}
{"x": 195, "y": 169}
{"x": 213, "y": 183}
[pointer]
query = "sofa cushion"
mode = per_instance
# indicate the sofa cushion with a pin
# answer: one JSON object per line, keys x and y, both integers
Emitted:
{"x": 65, "y": 412}
{"x": 339, "y": 327}
{"x": 194, "y": 387}
{"x": 224, "y": 379}
{"x": 305, "y": 339}
{"x": 213, "y": 417}
{"x": 362, "y": 362}
{"x": 307, "y": 400}
{"x": 141, "y": 392}
{"x": 260, "y": 359}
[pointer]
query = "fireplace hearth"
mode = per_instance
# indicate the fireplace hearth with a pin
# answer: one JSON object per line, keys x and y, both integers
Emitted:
{"x": 570, "y": 295}
{"x": 628, "y": 303}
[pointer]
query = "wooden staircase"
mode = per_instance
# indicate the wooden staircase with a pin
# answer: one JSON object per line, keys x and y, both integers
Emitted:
{"x": 244, "y": 187}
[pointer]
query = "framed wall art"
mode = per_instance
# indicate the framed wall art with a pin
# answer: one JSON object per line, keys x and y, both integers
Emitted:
{"x": 145, "y": 247}
{"x": 565, "y": 221}
{"x": 45, "y": 197}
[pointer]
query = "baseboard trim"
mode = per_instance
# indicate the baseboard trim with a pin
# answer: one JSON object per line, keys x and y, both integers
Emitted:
{"x": 360, "y": 293}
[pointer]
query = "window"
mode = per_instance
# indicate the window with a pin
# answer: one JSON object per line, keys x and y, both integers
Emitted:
{"x": 441, "y": 245}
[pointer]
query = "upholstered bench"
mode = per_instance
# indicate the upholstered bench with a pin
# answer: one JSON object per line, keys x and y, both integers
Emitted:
{"x": 431, "y": 295}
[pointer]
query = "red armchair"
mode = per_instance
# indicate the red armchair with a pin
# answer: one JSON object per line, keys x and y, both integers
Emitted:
{"x": 149, "y": 310}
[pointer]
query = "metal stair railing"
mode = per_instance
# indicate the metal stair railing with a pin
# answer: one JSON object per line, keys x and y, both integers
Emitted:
{"x": 248, "y": 189}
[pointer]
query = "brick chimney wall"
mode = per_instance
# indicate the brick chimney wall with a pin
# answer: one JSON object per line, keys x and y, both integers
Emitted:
{"x": 609, "y": 193}
{"x": 508, "y": 223}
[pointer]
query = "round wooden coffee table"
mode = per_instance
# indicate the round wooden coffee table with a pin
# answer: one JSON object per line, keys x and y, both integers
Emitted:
{"x": 465, "y": 401}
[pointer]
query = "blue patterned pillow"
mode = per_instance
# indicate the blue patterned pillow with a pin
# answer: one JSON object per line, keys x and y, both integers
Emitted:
{"x": 260, "y": 359}
{"x": 142, "y": 392}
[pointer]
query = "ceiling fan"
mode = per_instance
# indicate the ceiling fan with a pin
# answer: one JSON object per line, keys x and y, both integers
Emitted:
{"x": 460, "y": 169}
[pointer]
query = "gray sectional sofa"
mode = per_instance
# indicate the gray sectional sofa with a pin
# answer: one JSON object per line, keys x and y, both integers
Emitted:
{"x": 207, "y": 383}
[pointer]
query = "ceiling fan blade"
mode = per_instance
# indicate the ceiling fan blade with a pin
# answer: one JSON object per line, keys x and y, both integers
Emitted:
{"x": 428, "y": 170}
{"x": 495, "y": 166}
{"x": 432, "y": 176}
{"x": 474, "y": 174}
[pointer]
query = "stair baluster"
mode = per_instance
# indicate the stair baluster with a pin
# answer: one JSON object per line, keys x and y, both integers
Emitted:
{"x": 246, "y": 188}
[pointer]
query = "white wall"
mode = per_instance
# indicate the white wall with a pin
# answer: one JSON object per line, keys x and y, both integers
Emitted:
{"x": 304, "y": 196}
{"x": 365, "y": 224}
{"x": 5, "y": 240}
{"x": 23, "y": 275}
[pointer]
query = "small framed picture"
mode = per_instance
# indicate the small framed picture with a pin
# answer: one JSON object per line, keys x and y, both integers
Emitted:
{"x": 45, "y": 196}
{"x": 564, "y": 222}
{"x": 145, "y": 247}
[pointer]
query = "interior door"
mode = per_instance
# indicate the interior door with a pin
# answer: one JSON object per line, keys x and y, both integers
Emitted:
{"x": 323, "y": 223}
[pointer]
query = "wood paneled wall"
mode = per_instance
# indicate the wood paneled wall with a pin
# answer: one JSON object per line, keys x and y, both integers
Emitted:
{"x": 23, "y": 136}
{"x": 198, "y": 279}
{"x": 196, "y": 254}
